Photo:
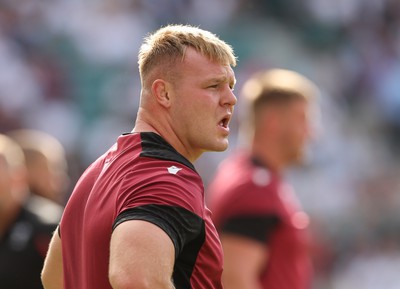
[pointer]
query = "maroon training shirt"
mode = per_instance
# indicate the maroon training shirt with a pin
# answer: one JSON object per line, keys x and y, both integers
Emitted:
{"x": 249, "y": 200}
{"x": 141, "y": 177}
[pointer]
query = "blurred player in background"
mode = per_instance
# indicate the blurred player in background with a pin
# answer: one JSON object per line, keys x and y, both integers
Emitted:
{"x": 46, "y": 161}
{"x": 24, "y": 233}
{"x": 262, "y": 226}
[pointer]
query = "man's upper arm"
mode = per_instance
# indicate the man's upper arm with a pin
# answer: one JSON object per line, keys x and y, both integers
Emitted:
{"x": 142, "y": 255}
{"x": 244, "y": 258}
{"x": 52, "y": 273}
{"x": 244, "y": 240}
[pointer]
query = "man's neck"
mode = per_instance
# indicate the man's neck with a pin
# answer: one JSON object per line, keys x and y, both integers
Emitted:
{"x": 270, "y": 156}
{"x": 145, "y": 123}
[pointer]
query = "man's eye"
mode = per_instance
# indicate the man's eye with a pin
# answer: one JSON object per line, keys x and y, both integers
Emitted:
{"x": 213, "y": 86}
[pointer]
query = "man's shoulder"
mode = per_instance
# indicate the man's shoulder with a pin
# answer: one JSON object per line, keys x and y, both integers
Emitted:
{"x": 154, "y": 146}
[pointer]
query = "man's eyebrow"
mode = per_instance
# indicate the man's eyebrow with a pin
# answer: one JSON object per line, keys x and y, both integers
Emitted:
{"x": 232, "y": 82}
{"x": 222, "y": 78}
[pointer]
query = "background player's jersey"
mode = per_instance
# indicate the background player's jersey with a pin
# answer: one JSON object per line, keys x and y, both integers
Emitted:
{"x": 249, "y": 200}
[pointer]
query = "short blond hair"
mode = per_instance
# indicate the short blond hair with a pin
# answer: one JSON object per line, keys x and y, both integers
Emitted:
{"x": 169, "y": 43}
{"x": 272, "y": 87}
{"x": 277, "y": 86}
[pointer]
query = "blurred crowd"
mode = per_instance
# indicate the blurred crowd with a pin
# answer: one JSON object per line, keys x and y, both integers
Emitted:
{"x": 69, "y": 69}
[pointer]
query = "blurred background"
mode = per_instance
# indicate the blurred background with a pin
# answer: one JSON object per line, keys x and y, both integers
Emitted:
{"x": 69, "y": 68}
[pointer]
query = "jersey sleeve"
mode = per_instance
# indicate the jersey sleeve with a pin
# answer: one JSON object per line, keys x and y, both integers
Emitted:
{"x": 180, "y": 224}
{"x": 258, "y": 227}
{"x": 248, "y": 211}
{"x": 171, "y": 202}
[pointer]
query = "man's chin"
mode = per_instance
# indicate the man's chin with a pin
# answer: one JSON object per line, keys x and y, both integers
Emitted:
{"x": 220, "y": 147}
{"x": 224, "y": 145}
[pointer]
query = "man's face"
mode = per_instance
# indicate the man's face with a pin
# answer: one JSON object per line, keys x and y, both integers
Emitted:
{"x": 202, "y": 103}
{"x": 47, "y": 178}
{"x": 12, "y": 184}
{"x": 4, "y": 182}
{"x": 295, "y": 130}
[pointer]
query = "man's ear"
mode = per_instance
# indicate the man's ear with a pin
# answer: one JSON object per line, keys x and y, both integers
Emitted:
{"x": 160, "y": 89}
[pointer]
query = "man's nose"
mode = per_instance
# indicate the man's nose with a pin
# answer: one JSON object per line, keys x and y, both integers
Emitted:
{"x": 230, "y": 98}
